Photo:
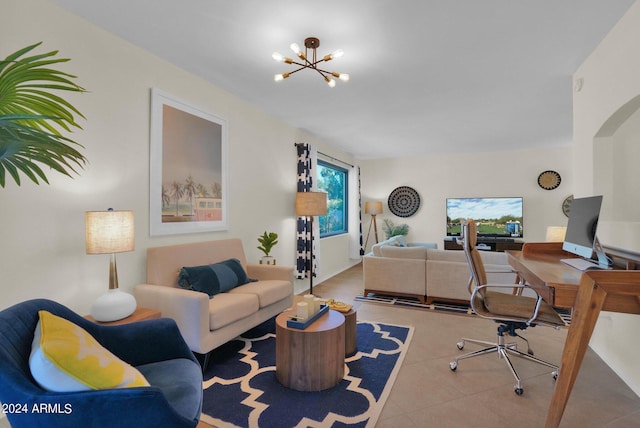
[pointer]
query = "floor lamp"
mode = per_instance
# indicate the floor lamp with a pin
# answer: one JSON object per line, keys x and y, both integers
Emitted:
{"x": 110, "y": 232}
{"x": 310, "y": 204}
{"x": 373, "y": 208}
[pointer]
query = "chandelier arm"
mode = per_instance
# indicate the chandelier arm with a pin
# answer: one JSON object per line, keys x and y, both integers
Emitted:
{"x": 314, "y": 64}
{"x": 296, "y": 70}
{"x": 320, "y": 72}
{"x": 324, "y": 71}
{"x": 309, "y": 64}
{"x": 300, "y": 64}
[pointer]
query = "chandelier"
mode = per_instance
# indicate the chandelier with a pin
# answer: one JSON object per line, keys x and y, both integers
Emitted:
{"x": 310, "y": 62}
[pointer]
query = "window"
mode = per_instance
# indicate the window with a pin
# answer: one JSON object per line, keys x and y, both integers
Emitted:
{"x": 333, "y": 180}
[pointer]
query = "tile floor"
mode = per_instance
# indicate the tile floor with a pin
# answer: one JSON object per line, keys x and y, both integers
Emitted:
{"x": 480, "y": 393}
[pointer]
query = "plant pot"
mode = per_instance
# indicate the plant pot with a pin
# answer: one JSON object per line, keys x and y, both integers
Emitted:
{"x": 268, "y": 260}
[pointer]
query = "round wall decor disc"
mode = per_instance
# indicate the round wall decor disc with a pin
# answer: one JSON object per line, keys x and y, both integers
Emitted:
{"x": 404, "y": 201}
{"x": 549, "y": 180}
{"x": 566, "y": 205}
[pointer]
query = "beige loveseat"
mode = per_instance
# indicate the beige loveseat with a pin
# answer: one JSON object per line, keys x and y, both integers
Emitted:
{"x": 427, "y": 274}
{"x": 208, "y": 323}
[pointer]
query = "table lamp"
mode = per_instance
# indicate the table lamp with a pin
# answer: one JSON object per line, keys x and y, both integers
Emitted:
{"x": 110, "y": 232}
{"x": 310, "y": 204}
{"x": 372, "y": 208}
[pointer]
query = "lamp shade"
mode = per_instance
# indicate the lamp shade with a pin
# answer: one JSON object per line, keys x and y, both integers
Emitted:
{"x": 311, "y": 203}
{"x": 109, "y": 231}
{"x": 556, "y": 233}
{"x": 373, "y": 208}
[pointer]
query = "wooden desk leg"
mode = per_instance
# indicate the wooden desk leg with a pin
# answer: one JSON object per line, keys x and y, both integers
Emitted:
{"x": 588, "y": 305}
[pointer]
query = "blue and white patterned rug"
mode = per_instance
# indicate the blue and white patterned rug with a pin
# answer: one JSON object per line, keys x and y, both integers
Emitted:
{"x": 241, "y": 390}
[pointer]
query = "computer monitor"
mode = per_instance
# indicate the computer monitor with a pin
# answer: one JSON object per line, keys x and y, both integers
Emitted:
{"x": 581, "y": 238}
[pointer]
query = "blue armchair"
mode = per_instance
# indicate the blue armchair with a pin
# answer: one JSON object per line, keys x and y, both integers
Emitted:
{"x": 154, "y": 347}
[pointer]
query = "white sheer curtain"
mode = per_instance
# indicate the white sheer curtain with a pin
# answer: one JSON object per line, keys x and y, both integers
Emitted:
{"x": 355, "y": 221}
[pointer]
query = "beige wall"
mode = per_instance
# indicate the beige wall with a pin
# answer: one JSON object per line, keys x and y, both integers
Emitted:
{"x": 606, "y": 136}
{"x": 437, "y": 178}
{"x": 42, "y": 252}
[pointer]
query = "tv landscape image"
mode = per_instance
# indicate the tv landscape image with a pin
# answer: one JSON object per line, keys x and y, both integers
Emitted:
{"x": 494, "y": 216}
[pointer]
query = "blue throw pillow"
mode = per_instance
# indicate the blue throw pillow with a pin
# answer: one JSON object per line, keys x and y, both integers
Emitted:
{"x": 214, "y": 278}
{"x": 236, "y": 267}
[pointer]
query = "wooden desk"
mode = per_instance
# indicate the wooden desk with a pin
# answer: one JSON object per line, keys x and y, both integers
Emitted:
{"x": 587, "y": 292}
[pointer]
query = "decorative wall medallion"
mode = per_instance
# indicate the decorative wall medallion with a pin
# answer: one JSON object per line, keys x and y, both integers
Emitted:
{"x": 566, "y": 205}
{"x": 404, "y": 201}
{"x": 549, "y": 180}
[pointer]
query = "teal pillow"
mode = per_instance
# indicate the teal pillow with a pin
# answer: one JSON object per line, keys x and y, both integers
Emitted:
{"x": 236, "y": 267}
{"x": 214, "y": 278}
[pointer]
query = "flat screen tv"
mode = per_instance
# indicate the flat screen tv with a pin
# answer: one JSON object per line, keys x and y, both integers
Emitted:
{"x": 580, "y": 238}
{"x": 496, "y": 217}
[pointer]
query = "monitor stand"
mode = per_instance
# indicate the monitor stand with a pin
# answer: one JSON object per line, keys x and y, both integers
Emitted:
{"x": 603, "y": 260}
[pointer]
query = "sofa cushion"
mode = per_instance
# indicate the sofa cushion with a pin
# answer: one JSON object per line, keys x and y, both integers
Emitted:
{"x": 213, "y": 278}
{"x": 488, "y": 257}
{"x": 446, "y": 256}
{"x": 65, "y": 358}
{"x": 227, "y": 308}
{"x": 394, "y": 241}
{"x": 419, "y": 253}
{"x": 268, "y": 292}
{"x": 180, "y": 381}
{"x": 431, "y": 245}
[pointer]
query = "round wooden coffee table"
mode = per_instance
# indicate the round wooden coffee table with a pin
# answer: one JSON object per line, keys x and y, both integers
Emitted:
{"x": 311, "y": 359}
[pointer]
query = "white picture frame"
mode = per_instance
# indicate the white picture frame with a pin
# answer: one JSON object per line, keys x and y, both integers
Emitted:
{"x": 188, "y": 183}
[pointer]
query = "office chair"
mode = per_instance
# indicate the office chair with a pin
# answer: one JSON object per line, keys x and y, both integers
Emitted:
{"x": 511, "y": 310}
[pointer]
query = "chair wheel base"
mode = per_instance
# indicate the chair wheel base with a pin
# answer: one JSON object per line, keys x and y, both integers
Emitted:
{"x": 519, "y": 391}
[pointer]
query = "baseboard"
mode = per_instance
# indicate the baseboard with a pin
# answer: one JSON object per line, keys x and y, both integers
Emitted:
{"x": 301, "y": 286}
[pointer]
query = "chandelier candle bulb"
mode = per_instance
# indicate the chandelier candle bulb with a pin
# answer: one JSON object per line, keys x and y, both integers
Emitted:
{"x": 337, "y": 54}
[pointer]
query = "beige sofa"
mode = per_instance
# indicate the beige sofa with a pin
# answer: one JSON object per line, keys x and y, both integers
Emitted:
{"x": 208, "y": 323}
{"x": 427, "y": 274}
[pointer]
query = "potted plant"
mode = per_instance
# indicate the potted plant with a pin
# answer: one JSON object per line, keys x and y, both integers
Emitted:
{"x": 267, "y": 241}
{"x": 32, "y": 117}
{"x": 390, "y": 229}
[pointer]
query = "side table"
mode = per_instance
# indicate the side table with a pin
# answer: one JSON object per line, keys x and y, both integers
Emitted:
{"x": 311, "y": 359}
{"x": 140, "y": 314}
{"x": 350, "y": 332}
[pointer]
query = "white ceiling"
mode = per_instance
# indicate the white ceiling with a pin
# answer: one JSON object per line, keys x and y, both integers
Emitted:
{"x": 427, "y": 76}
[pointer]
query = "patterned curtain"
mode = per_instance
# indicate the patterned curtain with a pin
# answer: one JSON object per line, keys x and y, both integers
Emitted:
{"x": 356, "y": 248}
{"x": 307, "y": 161}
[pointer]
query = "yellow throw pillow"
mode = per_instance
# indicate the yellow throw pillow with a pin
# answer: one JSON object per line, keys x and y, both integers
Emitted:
{"x": 64, "y": 357}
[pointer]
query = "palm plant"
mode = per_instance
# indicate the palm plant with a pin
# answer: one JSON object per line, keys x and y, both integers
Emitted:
{"x": 32, "y": 118}
{"x": 391, "y": 229}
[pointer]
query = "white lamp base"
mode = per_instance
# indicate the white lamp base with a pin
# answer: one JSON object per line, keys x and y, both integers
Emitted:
{"x": 113, "y": 306}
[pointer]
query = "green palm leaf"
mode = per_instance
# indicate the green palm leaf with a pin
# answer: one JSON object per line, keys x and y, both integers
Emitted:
{"x": 32, "y": 118}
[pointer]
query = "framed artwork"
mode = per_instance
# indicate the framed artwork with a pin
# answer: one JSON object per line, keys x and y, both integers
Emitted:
{"x": 188, "y": 168}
